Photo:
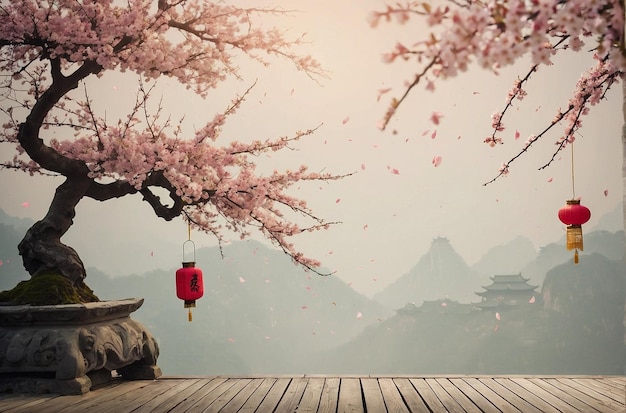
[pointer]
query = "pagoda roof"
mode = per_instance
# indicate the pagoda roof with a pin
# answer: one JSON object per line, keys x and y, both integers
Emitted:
{"x": 508, "y": 283}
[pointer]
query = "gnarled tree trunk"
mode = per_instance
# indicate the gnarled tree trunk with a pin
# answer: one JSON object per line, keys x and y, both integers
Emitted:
{"x": 42, "y": 249}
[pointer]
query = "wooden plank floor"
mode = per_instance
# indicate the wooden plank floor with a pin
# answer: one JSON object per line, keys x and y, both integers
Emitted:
{"x": 322, "y": 394}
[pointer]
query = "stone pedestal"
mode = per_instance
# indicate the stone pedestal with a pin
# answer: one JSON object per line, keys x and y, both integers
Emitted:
{"x": 68, "y": 349}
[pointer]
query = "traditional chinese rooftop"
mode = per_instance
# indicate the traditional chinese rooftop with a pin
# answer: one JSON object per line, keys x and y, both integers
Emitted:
{"x": 461, "y": 393}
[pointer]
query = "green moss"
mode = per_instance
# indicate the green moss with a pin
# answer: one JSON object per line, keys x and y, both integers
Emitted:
{"x": 48, "y": 288}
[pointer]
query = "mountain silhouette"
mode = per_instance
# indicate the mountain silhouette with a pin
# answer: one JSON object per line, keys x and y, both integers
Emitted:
{"x": 440, "y": 273}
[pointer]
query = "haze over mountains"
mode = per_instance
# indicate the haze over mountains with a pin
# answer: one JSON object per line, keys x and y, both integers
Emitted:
{"x": 260, "y": 314}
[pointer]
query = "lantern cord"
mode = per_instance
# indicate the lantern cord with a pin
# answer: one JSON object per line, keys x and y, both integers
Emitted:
{"x": 188, "y": 230}
{"x": 573, "y": 186}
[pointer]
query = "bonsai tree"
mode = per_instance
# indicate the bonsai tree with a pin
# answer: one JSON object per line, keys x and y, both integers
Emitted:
{"x": 48, "y": 51}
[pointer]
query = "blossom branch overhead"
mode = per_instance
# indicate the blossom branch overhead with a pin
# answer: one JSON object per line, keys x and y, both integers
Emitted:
{"x": 496, "y": 34}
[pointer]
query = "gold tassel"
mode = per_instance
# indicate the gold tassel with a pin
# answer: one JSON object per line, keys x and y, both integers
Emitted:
{"x": 574, "y": 237}
{"x": 189, "y": 316}
{"x": 576, "y": 257}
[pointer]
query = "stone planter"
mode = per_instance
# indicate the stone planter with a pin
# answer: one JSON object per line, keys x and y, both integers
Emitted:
{"x": 68, "y": 349}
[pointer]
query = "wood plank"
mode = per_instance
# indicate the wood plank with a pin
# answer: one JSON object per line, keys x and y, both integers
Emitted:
{"x": 147, "y": 393}
{"x": 26, "y": 404}
{"x": 466, "y": 403}
{"x": 446, "y": 399}
{"x": 549, "y": 397}
{"x": 291, "y": 399}
{"x": 237, "y": 402}
{"x": 484, "y": 404}
{"x": 215, "y": 404}
{"x": 330, "y": 395}
{"x": 602, "y": 388}
{"x": 552, "y": 387}
{"x": 10, "y": 401}
{"x": 372, "y": 395}
{"x": 510, "y": 396}
{"x": 410, "y": 395}
{"x": 257, "y": 397}
{"x": 273, "y": 397}
{"x": 591, "y": 397}
{"x": 495, "y": 398}
{"x": 202, "y": 398}
{"x": 538, "y": 398}
{"x": 350, "y": 398}
{"x": 193, "y": 394}
{"x": 428, "y": 395}
{"x": 169, "y": 399}
{"x": 393, "y": 398}
{"x": 311, "y": 397}
{"x": 93, "y": 399}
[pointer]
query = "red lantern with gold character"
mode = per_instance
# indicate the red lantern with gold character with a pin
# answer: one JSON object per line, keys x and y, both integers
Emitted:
{"x": 574, "y": 216}
{"x": 189, "y": 282}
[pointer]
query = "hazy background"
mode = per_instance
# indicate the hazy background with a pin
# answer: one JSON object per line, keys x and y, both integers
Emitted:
{"x": 387, "y": 219}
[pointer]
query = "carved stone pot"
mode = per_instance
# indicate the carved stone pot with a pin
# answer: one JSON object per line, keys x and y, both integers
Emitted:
{"x": 68, "y": 349}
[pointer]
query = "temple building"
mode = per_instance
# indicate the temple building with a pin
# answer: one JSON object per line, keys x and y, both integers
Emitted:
{"x": 505, "y": 291}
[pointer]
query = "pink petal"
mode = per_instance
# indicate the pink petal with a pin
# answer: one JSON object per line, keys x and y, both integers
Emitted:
{"x": 1, "y": 263}
{"x": 242, "y": 280}
{"x": 365, "y": 227}
{"x": 363, "y": 166}
{"x": 498, "y": 316}
{"x": 338, "y": 200}
{"x": 359, "y": 315}
{"x": 304, "y": 307}
{"x": 26, "y": 204}
{"x": 435, "y": 117}
{"x": 345, "y": 120}
{"x": 436, "y": 161}
{"x": 231, "y": 340}
{"x": 606, "y": 192}
{"x": 395, "y": 171}
{"x": 549, "y": 179}
{"x": 532, "y": 299}
{"x": 516, "y": 135}
{"x": 291, "y": 93}
{"x": 434, "y": 134}
{"x": 425, "y": 132}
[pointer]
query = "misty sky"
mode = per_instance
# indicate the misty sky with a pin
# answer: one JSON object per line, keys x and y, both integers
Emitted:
{"x": 388, "y": 219}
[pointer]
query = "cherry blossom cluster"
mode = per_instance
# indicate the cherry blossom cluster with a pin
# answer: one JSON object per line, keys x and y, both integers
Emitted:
{"x": 47, "y": 49}
{"x": 496, "y": 33}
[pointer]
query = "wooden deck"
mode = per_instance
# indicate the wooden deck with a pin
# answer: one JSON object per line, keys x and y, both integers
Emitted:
{"x": 339, "y": 394}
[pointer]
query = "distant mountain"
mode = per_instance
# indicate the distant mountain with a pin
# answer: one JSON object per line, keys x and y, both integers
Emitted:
{"x": 611, "y": 221}
{"x": 508, "y": 258}
{"x": 578, "y": 330}
{"x": 612, "y": 245}
{"x": 259, "y": 313}
{"x": 440, "y": 273}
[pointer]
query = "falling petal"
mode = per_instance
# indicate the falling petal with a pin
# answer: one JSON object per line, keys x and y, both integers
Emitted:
{"x": 425, "y": 132}
{"x": 516, "y": 135}
{"x": 363, "y": 166}
{"x": 334, "y": 303}
{"x": 231, "y": 340}
{"x": 345, "y": 120}
{"x": 434, "y": 134}
{"x": 304, "y": 307}
{"x": 338, "y": 200}
{"x": 606, "y": 192}
{"x": 435, "y": 117}
{"x": 498, "y": 316}
{"x": 291, "y": 93}
{"x": 242, "y": 280}
{"x": 307, "y": 288}
{"x": 26, "y": 204}
{"x": 152, "y": 253}
{"x": 458, "y": 137}
{"x": 395, "y": 171}
{"x": 1, "y": 263}
{"x": 549, "y": 179}
{"x": 350, "y": 284}
{"x": 475, "y": 93}
{"x": 267, "y": 281}
{"x": 267, "y": 337}
{"x": 374, "y": 279}
{"x": 436, "y": 161}
{"x": 359, "y": 315}
{"x": 365, "y": 227}
{"x": 532, "y": 299}
{"x": 496, "y": 328}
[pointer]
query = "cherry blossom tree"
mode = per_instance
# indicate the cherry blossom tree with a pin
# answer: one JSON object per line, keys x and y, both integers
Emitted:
{"x": 498, "y": 33}
{"x": 50, "y": 48}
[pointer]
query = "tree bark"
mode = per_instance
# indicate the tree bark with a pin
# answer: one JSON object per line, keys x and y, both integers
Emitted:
{"x": 42, "y": 249}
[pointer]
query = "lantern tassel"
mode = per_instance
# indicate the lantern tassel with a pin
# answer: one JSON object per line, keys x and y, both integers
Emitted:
{"x": 574, "y": 237}
{"x": 189, "y": 316}
{"x": 576, "y": 257}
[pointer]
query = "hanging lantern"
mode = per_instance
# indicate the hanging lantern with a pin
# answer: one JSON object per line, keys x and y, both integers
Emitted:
{"x": 574, "y": 216}
{"x": 189, "y": 282}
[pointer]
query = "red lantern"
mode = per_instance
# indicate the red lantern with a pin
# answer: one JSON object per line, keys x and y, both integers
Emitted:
{"x": 189, "y": 282}
{"x": 574, "y": 216}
